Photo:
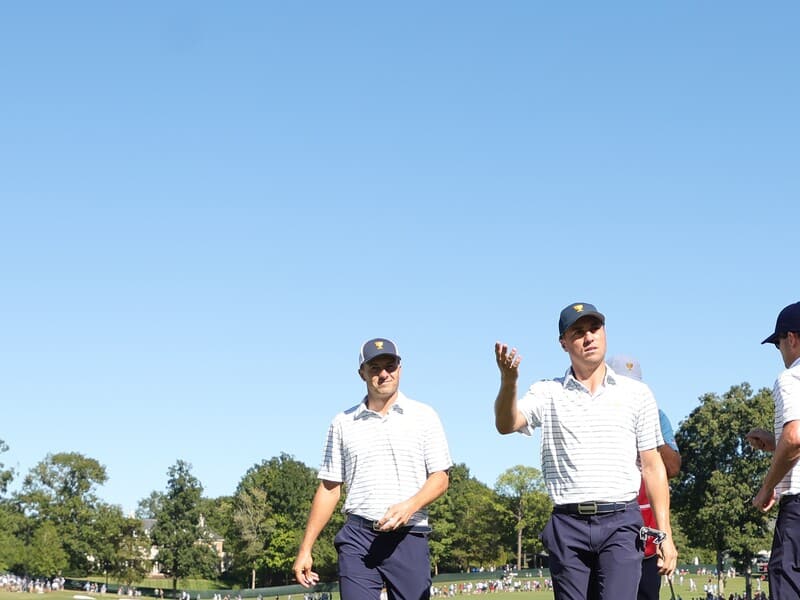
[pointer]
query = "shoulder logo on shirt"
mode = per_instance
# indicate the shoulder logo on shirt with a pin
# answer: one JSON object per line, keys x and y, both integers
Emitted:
{"x": 578, "y": 308}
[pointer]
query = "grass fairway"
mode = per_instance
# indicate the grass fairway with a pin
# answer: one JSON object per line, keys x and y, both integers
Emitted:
{"x": 735, "y": 586}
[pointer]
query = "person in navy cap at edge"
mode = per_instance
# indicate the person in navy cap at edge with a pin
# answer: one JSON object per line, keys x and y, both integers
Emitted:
{"x": 650, "y": 583}
{"x": 392, "y": 454}
{"x": 782, "y": 481}
{"x": 594, "y": 426}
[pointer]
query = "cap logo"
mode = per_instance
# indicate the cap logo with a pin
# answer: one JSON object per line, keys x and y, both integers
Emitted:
{"x": 379, "y": 345}
{"x": 578, "y": 307}
{"x": 629, "y": 366}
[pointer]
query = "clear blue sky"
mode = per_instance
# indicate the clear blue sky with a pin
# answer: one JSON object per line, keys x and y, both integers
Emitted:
{"x": 207, "y": 207}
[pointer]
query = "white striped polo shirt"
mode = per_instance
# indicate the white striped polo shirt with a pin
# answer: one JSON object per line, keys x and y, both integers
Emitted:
{"x": 384, "y": 459}
{"x": 786, "y": 394}
{"x": 590, "y": 443}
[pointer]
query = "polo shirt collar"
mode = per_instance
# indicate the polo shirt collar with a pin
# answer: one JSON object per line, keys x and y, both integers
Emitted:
{"x": 570, "y": 383}
{"x": 611, "y": 376}
{"x": 363, "y": 412}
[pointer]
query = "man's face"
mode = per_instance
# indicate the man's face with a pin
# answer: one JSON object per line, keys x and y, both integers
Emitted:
{"x": 382, "y": 375}
{"x": 789, "y": 347}
{"x": 585, "y": 341}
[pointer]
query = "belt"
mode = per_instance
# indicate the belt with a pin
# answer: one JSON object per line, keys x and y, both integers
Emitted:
{"x": 375, "y": 528}
{"x": 593, "y": 508}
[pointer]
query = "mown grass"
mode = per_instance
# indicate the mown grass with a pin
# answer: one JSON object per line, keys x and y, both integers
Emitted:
{"x": 735, "y": 586}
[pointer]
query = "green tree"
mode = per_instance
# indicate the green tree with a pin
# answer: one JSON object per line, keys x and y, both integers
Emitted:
{"x": 218, "y": 513}
{"x": 45, "y": 556}
{"x": 122, "y": 549}
{"x": 61, "y": 490}
{"x": 720, "y": 474}
{"x": 270, "y": 508}
{"x": 12, "y": 528}
{"x": 253, "y": 525}
{"x": 218, "y": 517}
{"x": 148, "y": 508}
{"x": 522, "y": 491}
{"x": 479, "y": 522}
{"x": 6, "y": 475}
{"x": 177, "y": 531}
{"x": 131, "y": 560}
{"x": 290, "y": 486}
{"x": 443, "y": 525}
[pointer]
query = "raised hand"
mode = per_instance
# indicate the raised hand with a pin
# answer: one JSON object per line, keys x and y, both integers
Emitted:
{"x": 507, "y": 361}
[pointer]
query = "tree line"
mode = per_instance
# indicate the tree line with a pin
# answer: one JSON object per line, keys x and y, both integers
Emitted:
{"x": 56, "y": 524}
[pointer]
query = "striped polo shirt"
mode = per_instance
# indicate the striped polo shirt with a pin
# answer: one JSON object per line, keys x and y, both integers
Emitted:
{"x": 591, "y": 442}
{"x": 384, "y": 459}
{"x": 786, "y": 394}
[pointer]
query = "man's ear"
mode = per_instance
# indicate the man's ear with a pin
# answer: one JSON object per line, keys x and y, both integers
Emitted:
{"x": 563, "y": 344}
{"x": 794, "y": 339}
{"x": 361, "y": 374}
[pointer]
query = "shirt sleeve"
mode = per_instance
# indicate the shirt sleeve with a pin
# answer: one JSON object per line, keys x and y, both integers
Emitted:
{"x": 787, "y": 395}
{"x": 437, "y": 452}
{"x": 648, "y": 434}
{"x": 530, "y": 406}
{"x": 666, "y": 430}
{"x": 332, "y": 467}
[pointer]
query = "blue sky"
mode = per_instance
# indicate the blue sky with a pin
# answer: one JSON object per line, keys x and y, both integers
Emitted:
{"x": 207, "y": 208}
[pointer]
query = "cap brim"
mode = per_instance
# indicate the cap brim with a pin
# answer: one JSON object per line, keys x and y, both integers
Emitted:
{"x": 773, "y": 339}
{"x": 583, "y": 315}
{"x": 366, "y": 360}
{"x": 589, "y": 313}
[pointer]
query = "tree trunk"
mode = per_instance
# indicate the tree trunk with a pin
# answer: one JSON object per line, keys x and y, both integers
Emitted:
{"x": 519, "y": 549}
{"x": 252, "y": 579}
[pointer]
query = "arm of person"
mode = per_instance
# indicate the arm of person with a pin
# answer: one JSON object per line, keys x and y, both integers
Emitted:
{"x": 655, "y": 480}
{"x": 761, "y": 439}
{"x": 672, "y": 460}
{"x": 398, "y": 515}
{"x": 507, "y": 418}
{"x": 787, "y": 453}
{"x": 322, "y": 507}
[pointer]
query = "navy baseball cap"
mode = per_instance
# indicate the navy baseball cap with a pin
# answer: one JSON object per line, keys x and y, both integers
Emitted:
{"x": 376, "y": 347}
{"x": 575, "y": 311}
{"x": 788, "y": 320}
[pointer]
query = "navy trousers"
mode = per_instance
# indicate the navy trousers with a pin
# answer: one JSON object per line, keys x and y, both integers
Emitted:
{"x": 595, "y": 556}
{"x": 784, "y": 561}
{"x": 370, "y": 560}
{"x": 650, "y": 584}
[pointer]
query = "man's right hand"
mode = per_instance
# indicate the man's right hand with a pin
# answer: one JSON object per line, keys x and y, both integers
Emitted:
{"x": 667, "y": 557}
{"x": 302, "y": 570}
{"x": 507, "y": 361}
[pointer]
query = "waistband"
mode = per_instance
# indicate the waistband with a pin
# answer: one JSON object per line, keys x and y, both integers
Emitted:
{"x": 374, "y": 527}
{"x": 788, "y": 498}
{"x": 593, "y": 508}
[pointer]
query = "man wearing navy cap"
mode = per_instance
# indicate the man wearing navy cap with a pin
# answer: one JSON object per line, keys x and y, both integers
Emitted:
{"x": 392, "y": 454}
{"x": 782, "y": 481}
{"x": 594, "y": 426}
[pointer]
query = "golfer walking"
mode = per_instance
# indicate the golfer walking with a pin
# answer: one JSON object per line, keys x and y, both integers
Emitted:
{"x": 594, "y": 425}
{"x": 392, "y": 454}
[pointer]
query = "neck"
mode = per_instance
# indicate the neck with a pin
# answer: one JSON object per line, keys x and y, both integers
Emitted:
{"x": 380, "y": 403}
{"x": 590, "y": 376}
